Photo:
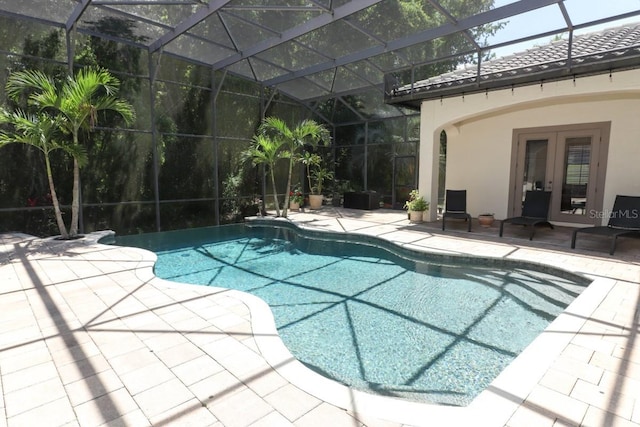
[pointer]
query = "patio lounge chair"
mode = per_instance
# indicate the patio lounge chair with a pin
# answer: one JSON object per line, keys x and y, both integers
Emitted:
{"x": 455, "y": 207}
{"x": 623, "y": 221}
{"x": 535, "y": 211}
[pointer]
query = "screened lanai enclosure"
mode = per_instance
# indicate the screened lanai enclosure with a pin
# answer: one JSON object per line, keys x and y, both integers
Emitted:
{"x": 202, "y": 74}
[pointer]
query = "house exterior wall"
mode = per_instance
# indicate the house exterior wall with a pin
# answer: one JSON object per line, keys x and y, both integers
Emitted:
{"x": 480, "y": 128}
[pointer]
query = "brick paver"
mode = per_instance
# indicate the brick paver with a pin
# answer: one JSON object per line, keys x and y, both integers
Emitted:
{"x": 89, "y": 336}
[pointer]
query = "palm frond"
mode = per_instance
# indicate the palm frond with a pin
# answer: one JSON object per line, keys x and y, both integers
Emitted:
{"x": 122, "y": 107}
{"x": 22, "y": 82}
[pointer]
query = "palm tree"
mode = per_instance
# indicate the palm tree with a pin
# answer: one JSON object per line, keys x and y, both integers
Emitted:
{"x": 40, "y": 131}
{"x": 77, "y": 102}
{"x": 308, "y": 132}
{"x": 265, "y": 151}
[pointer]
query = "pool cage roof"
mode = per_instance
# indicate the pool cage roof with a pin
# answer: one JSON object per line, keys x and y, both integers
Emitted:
{"x": 314, "y": 50}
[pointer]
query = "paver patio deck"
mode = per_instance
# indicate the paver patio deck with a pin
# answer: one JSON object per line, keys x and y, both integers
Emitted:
{"x": 89, "y": 336}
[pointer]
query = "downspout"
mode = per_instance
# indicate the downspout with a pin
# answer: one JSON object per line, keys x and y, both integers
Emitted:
{"x": 570, "y": 50}
{"x": 478, "y": 68}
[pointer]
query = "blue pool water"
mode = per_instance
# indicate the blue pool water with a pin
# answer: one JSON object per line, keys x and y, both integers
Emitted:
{"x": 372, "y": 315}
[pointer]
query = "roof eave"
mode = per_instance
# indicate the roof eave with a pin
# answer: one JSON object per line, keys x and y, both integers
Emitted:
{"x": 494, "y": 81}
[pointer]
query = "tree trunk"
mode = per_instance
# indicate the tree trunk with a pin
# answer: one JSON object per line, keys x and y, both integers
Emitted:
{"x": 54, "y": 199}
{"x": 288, "y": 189}
{"x": 275, "y": 191}
{"x": 75, "y": 202}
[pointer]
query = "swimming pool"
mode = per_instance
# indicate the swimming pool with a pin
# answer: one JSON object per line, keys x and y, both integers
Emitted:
{"x": 370, "y": 314}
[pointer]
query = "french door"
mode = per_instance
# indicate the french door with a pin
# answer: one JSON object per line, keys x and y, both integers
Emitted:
{"x": 568, "y": 161}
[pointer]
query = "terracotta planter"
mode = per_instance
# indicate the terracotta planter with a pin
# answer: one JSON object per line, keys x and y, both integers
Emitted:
{"x": 486, "y": 220}
{"x": 294, "y": 206}
{"x": 415, "y": 216}
{"x": 315, "y": 201}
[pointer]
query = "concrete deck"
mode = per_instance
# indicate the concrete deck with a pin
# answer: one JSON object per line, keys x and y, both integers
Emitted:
{"x": 89, "y": 337}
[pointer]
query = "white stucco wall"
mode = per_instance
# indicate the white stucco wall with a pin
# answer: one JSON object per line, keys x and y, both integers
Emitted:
{"x": 480, "y": 127}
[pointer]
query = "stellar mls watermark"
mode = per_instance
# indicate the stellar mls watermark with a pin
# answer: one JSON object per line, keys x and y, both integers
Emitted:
{"x": 620, "y": 213}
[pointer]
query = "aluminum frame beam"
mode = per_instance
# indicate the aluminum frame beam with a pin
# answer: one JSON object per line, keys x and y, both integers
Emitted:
{"x": 473, "y": 21}
{"x": 311, "y": 25}
{"x": 76, "y": 13}
{"x": 187, "y": 24}
{"x": 205, "y": 8}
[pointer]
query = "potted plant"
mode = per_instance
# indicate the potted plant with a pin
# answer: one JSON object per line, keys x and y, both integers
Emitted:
{"x": 317, "y": 174}
{"x": 416, "y": 205}
{"x": 296, "y": 198}
{"x": 486, "y": 219}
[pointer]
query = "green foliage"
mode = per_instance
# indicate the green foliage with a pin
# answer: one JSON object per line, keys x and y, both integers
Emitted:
{"x": 416, "y": 202}
{"x": 23, "y": 169}
{"x": 318, "y": 176}
{"x": 296, "y": 195}
{"x": 310, "y": 161}
{"x": 194, "y": 117}
{"x": 48, "y": 46}
{"x": 420, "y": 15}
{"x": 266, "y": 151}
{"x": 41, "y": 132}
{"x": 231, "y": 202}
{"x": 120, "y": 164}
{"x": 318, "y": 171}
{"x": 118, "y": 58}
{"x": 75, "y": 105}
{"x": 293, "y": 140}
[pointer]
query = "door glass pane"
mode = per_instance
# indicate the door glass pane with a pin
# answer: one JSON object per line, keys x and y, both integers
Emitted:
{"x": 577, "y": 157}
{"x": 535, "y": 165}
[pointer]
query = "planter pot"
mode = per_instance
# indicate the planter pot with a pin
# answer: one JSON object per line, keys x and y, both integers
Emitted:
{"x": 486, "y": 220}
{"x": 294, "y": 206}
{"x": 315, "y": 201}
{"x": 425, "y": 215}
{"x": 415, "y": 216}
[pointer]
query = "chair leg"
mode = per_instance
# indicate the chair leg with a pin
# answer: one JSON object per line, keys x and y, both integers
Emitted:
{"x": 573, "y": 239}
{"x": 533, "y": 228}
{"x": 443, "y": 221}
{"x": 501, "y": 227}
{"x": 469, "y": 223}
{"x": 612, "y": 249}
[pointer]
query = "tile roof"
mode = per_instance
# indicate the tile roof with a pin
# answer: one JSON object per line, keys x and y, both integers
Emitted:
{"x": 591, "y": 53}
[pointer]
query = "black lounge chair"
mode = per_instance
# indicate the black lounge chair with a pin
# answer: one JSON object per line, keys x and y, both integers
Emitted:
{"x": 623, "y": 221}
{"x": 455, "y": 207}
{"x": 535, "y": 211}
